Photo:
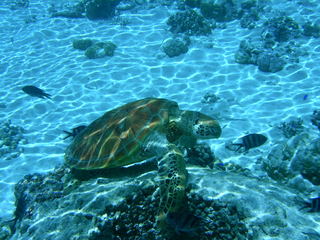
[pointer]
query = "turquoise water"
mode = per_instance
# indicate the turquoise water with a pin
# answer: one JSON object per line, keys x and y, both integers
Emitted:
{"x": 36, "y": 49}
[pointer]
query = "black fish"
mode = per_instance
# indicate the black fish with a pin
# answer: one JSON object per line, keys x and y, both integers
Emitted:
{"x": 74, "y": 131}
{"x": 19, "y": 213}
{"x": 251, "y": 141}
{"x": 35, "y": 92}
{"x": 184, "y": 222}
{"x": 313, "y": 205}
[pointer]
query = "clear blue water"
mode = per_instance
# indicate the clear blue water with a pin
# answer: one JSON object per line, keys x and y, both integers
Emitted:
{"x": 36, "y": 49}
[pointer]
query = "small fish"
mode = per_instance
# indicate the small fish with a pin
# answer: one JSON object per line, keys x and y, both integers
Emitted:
{"x": 313, "y": 205}
{"x": 19, "y": 213}
{"x": 35, "y": 92}
{"x": 251, "y": 141}
{"x": 184, "y": 222}
{"x": 305, "y": 97}
{"x": 74, "y": 131}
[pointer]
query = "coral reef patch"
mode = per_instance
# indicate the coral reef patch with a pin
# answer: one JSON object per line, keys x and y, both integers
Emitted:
{"x": 11, "y": 138}
{"x": 190, "y": 23}
{"x": 125, "y": 207}
{"x": 174, "y": 47}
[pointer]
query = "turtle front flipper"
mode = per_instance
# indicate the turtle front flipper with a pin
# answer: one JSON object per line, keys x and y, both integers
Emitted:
{"x": 173, "y": 179}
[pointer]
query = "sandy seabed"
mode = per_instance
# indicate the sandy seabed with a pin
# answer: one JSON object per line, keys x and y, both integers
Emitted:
{"x": 40, "y": 53}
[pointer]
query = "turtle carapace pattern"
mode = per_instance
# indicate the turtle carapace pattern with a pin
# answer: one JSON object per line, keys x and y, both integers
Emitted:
{"x": 140, "y": 130}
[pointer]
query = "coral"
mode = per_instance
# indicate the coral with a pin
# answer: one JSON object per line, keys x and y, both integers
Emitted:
{"x": 230, "y": 206}
{"x": 210, "y": 98}
{"x": 201, "y": 154}
{"x": 277, "y": 163}
{"x": 215, "y": 11}
{"x": 310, "y": 29}
{"x": 189, "y": 22}
{"x": 307, "y": 161}
{"x": 281, "y": 29}
{"x": 192, "y": 3}
{"x": 19, "y": 4}
{"x": 174, "y": 47}
{"x": 270, "y": 62}
{"x": 10, "y": 138}
{"x": 249, "y": 18}
{"x": 100, "y": 49}
{"x": 82, "y": 44}
{"x": 100, "y": 9}
{"x": 291, "y": 128}
{"x": 277, "y": 45}
{"x": 247, "y": 53}
{"x": 99, "y": 209}
{"x": 315, "y": 118}
{"x": 109, "y": 48}
{"x": 68, "y": 11}
{"x": 265, "y": 59}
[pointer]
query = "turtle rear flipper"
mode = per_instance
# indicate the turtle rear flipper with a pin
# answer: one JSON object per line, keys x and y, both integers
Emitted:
{"x": 173, "y": 179}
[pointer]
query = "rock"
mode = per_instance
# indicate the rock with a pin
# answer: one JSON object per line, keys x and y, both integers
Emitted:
{"x": 100, "y": 50}
{"x": 174, "y": 47}
{"x": 310, "y": 29}
{"x": 19, "y": 4}
{"x": 315, "y": 118}
{"x": 292, "y": 128}
{"x": 100, "y": 9}
{"x": 75, "y": 11}
{"x": 82, "y": 44}
{"x": 189, "y": 22}
{"x": 277, "y": 163}
{"x": 215, "y": 11}
{"x": 109, "y": 48}
{"x": 231, "y": 206}
{"x": 281, "y": 29}
{"x": 247, "y": 53}
{"x": 200, "y": 155}
{"x": 270, "y": 62}
{"x": 192, "y": 3}
{"x": 307, "y": 161}
{"x": 11, "y": 139}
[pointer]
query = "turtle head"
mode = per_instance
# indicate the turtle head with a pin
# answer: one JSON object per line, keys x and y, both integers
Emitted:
{"x": 199, "y": 125}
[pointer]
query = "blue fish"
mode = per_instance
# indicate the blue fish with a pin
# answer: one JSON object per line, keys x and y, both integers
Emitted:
{"x": 305, "y": 97}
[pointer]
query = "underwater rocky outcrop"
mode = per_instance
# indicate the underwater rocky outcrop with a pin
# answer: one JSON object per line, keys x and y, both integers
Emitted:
{"x": 16, "y": 4}
{"x": 174, "y": 47}
{"x": 189, "y": 22}
{"x": 223, "y": 11}
{"x": 100, "y": 49}
{"x": 92, "y": 9}
{"x": 230, "y": 206}
{"x": 82, "y": 44}
{"x": 307, "y": 161}
{"x": 277, "y": 45}
{"x": 100, "y": 9}
{"x": 11, "y": 138}
{"x": 311, "y": 29}
{"x": 94, "y": 49}
{"x": 298, "y": 156}
{"x": 256, "y": 54}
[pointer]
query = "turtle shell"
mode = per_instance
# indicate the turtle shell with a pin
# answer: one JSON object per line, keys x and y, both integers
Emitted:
{"x": 116, "y": 138}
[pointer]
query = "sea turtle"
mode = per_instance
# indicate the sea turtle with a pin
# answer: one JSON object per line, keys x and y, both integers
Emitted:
{"x": 140, "y": 130}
